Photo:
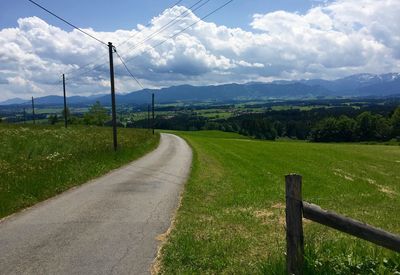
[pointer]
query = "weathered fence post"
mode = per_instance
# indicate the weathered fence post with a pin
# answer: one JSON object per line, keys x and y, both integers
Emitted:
{"x": 294, "y": 225}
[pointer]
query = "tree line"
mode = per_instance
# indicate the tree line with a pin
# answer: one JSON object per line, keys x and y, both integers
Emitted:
{"x": 96, "y": 115}
{"x": 336, "y": 124}
{"x": 374, "y": 122}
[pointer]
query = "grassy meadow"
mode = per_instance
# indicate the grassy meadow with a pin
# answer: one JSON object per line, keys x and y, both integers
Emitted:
{"x": 37, "y": 162}
{"x": 232, "y": 217}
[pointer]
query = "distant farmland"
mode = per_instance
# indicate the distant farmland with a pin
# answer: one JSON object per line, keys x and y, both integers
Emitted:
{"x": 37, "y": 162}
{"x": 232, "y": 215}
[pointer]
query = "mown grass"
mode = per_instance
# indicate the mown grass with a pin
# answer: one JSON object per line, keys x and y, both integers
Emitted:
{"x": 37, "y": 162}
{"x": 231, "y": 220}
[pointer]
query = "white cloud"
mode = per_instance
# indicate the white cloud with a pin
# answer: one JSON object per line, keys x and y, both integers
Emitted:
{"x": 330, "y": 40}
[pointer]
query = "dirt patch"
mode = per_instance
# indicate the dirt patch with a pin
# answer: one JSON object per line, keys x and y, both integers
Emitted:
{"x": 273, "y": 216}
{"x": 371, "y": 181}
{"x": 343, "y": 174}
{"x": 235, "y": 210}
{"x": 270, "y": 216}
{"x": 163, "y": 238}
{"x": 263, "y": 214}
{"x": 278, "y": 205}
{"x": 205, "y": 218}
{"x": 386, "y": 190}
{"x": 266, "y": 216}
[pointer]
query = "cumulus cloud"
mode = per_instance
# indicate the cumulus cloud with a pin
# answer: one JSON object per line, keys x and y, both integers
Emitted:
{"x": 330, "y": 40}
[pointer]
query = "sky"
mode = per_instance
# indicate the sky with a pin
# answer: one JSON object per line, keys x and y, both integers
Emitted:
{"x": 100, "y": 16}
{"x": 253, "y": 40}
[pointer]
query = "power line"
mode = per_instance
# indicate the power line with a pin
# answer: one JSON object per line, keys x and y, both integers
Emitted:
{"x": 98, "y": 66}
{"x": 170, "y": 23}
{"x": 147, "y": 25}
{"x": 74, "y": 74}
{"x": 191, "y": 25}
{"x": 165, "y": 26}
{"x": 65, "y": 21}
{"x": 126, "y": 67}
{"x": 173, "y": 36}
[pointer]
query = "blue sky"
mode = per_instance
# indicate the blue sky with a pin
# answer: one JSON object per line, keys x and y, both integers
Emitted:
{"x": 253, "y": 40}
{"x": 104, "y": 15}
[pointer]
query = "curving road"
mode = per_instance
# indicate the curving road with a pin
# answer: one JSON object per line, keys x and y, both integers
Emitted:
{"x": 107, "y": 226}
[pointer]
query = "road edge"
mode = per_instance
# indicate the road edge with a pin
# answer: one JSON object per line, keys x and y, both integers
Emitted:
{"x": 163, "y": 238}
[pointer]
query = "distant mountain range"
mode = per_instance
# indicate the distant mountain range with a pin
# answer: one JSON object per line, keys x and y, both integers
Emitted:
{"x": 14, "y": 101}
{"x": 360, "y": 85}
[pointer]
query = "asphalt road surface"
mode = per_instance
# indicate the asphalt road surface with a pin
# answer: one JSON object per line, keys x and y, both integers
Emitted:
{"x": 106, "y": 226}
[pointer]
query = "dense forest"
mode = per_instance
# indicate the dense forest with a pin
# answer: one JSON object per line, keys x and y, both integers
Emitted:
{"x": 335, "y": 124}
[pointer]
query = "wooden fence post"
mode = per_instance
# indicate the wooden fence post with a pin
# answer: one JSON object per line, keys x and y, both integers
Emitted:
{"x": 294, "y": 225}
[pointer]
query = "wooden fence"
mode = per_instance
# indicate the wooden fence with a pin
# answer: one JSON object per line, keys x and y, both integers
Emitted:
{"x": 296, "y": 209}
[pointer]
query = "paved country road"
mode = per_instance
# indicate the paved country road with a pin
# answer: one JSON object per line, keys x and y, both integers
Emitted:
{"x": 107, "y": 226}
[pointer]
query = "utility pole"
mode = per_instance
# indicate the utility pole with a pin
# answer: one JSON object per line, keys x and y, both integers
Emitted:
{"x": 113, "y": 111}
{"x": 33, "y": 110}
{"x": 148, "y": 116}
{"x": 152, "y": 103}
{"x": 65, "y": 103}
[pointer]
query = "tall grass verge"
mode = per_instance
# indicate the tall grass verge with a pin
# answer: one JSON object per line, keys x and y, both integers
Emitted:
{"x": 37, "y": 162}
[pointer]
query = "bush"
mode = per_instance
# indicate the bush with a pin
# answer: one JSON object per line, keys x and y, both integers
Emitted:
{"x": 97, "y": 115}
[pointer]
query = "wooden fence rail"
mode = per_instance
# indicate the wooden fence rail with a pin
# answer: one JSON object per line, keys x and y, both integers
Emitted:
{"x": 296, "y": 209}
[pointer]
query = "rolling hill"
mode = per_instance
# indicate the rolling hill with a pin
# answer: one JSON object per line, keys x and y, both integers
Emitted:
{"x": 361, "y": 85}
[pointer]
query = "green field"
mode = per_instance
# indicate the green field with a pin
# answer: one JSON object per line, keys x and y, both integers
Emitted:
{"x": 37, "y": 162}
{"x": 232, "y": 218}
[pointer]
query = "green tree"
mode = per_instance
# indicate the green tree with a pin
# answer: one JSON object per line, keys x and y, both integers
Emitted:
{"x": 75, "y": 120}
{"x": 334, "y": 129}
{"x": 68, "y": 113}
{"x": 97, "y": 115}
{"x": 366, "y": 126}
{"x": 373, "y": 127}
{"x": 346, "y": 128}
{"x": 325, "y": 130}
{"x": 395, "y": 121}
{"x": 383, "y": 128}
{"x": 280, "y": 128}
{"x": 53, "y": 119}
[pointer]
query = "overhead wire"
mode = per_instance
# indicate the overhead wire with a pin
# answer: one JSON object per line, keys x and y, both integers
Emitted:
{"x": 98, "y": 66}
{"x": 147, "y": 38}
{"x": 75, "y": 71}
{"x": 147, "y": 25}
{"x": 65, "y": 21}
{"x": 126, "y": 67}
{"x": 75, "y": 75}
{"x": 172, "y": 22}
{"x": 191, "y": 25}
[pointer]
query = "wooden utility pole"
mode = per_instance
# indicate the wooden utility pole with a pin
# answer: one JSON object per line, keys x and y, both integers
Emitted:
{"x": 113, "y": 111}
{"x": 294, "y": 225}
{"x": 148, "y": 116}
{"x": 33, "y": 111}
{"x": 65, "y": 103}
{"x": 152, "y": 103}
